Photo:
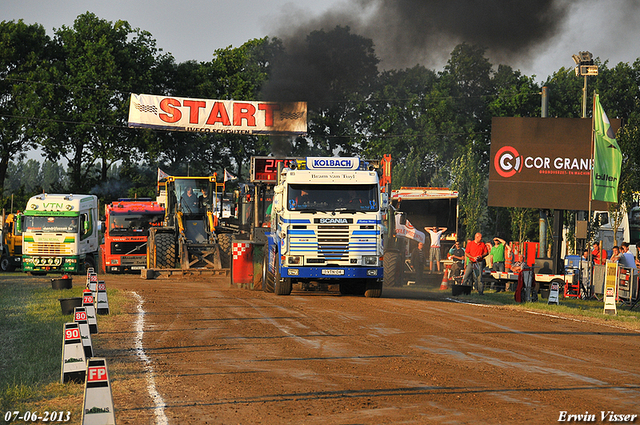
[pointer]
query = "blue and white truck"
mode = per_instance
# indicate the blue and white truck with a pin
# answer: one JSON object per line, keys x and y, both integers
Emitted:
{"x": 326, "y": 227}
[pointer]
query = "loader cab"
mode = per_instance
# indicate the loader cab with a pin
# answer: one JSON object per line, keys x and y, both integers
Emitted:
{"x": 191, "y": 196}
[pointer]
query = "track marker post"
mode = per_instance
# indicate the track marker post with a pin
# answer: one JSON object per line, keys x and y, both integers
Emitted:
{"x": 554, "y": 293}
{"x": 92, "y": 283}
{"x": 102, "y": 300}
{"x": 88, "y": 303}
{"x": 73, "y": 366}
{"x": 80, "y": 317}
{"x": 97, "y": 406}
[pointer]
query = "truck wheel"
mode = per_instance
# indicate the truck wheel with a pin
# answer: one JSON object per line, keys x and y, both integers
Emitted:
{"x": 346, "y": 288}
{"x": 5, "y": 264}
{"x": 374, "y": 289}
{"x": 353, "y": 287}
{"x": 89, "y": 263}
{"x": 267, "y": 277}
{"x": 165, "y": 251}
{"x": 392, "y": 269}
{"x": 282, "y": 286}
{"x": 224, "y": 242}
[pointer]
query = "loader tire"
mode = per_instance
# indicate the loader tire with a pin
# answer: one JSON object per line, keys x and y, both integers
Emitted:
{"x": 392, "y": 269}
{"x": 224, "y": 242}
{"x": 165, "y": 251}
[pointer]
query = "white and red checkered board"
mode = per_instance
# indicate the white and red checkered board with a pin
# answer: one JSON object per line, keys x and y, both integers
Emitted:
{"x": 239, "y": 249}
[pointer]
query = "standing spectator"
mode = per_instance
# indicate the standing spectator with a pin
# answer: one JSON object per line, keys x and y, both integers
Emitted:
{"x": 434, "y": 252}
{"x": 497, "y": 253}
{"x": 585, "y": 255}
{"x": 626, "y": 259}
{"x": 615, "y": 254}
{"x": 599, "y": 255}
{"x": 457, "y": 255}
{"x": 418, "y": 260}
{"x": 475, "y": 252}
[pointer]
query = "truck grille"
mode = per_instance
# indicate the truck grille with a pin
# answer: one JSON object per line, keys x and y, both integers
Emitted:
{"x": 49, "y": 248}
{"x": 333, "y": 242}
{"x": 121, "y": 248}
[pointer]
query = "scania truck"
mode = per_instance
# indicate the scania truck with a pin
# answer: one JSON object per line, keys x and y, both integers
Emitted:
{"x": 59, "y": 233}
{"x": 326, "y": 227}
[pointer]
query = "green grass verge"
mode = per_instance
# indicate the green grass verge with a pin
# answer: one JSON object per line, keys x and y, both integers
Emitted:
{"x": 31, "y": 325}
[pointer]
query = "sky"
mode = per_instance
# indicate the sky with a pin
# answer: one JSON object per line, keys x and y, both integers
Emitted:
{"x": 405, "y": 32}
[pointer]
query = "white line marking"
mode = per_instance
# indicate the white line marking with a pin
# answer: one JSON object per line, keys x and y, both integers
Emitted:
{"x": 161, "y": 418}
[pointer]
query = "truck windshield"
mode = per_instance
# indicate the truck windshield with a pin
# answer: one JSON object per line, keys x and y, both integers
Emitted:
{"x": 50, "y": 224}
{"x": 133, "y": 224}
{"x": 325, "y": 197}
{"x": 192, "y": 195}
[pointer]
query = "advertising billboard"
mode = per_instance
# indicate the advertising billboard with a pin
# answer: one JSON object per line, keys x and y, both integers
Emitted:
{"x": 541, "y": 163}
{"x": 217, "y": 116}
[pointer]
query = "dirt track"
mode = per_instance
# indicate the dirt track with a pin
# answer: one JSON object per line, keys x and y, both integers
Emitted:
{"x": 222, "y": 355}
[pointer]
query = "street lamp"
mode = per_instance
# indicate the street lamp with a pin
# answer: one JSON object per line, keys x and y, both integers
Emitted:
{"x": 584, "y": 67}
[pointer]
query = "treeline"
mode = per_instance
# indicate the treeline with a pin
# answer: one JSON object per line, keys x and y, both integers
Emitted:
{"x": 68, "y": 96}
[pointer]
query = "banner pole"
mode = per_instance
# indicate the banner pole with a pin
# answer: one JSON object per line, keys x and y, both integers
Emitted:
{"x": 590, "y": 263}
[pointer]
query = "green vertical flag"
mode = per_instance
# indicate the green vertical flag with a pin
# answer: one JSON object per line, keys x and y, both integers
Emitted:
{"x": 607, "y": 158}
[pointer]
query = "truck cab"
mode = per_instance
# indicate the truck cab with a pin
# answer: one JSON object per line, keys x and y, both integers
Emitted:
{"x": 326, "y": 227}
{"x": 59, "y": 233}
{"x": 126, "y": 232}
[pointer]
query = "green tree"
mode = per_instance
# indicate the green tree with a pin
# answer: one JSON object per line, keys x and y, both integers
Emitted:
{"x": 97, "y": 64}
{"x": 470, "y": 182}
{"x": 233, "y": 73}
{"x": 23, "y": 48}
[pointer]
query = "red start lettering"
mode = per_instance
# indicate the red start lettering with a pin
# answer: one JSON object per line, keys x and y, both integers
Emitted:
{"x": 243, "y": 113}
{"x": 268, "y": 109}
{"x": 170, "y": 106}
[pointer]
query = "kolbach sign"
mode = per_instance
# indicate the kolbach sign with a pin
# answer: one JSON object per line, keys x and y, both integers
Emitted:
{"x": 217, "y": 116}
{"x": 542, "y": 163}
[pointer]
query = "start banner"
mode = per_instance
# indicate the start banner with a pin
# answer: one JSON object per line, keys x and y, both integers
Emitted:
{"x": 217, "y": 116}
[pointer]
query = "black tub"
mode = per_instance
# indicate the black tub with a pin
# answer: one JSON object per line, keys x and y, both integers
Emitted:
{"x": 61, "y": 283}
{"x": 460, "y": 290}
{"x": 68, "y": 304}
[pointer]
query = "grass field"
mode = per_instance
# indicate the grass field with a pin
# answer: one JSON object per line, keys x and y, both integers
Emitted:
{"x": 31, "y": 325}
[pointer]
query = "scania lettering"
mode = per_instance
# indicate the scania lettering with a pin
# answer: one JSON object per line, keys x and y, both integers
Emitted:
{"x": 126, "y": 233}
{"x": 326, "y": 228}
{"x": 59, "y": 233}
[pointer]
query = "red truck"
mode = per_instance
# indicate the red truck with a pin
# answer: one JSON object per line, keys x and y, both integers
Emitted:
{"x": 126, "y": 232}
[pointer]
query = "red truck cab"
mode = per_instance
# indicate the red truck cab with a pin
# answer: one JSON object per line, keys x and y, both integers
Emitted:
{"x": 126, "y": 232}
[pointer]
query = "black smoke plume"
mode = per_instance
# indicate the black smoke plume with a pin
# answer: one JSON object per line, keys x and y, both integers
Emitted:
{"x": 402, "y": 34}
{"x": 410, "y": 32}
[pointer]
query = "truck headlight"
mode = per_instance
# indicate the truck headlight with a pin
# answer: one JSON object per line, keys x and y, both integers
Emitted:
{"x": 295, "y": 259}
{"x": 292, "y": 272}
{"x": 372, "y": 272}
{"x": 370, "y": 260}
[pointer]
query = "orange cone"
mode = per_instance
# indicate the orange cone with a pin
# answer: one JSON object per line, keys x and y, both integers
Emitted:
{"x": 445, "y": 280}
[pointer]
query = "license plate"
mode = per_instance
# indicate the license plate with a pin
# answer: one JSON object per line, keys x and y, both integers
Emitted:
{"x": 330, "y": 272}
{"x": 137, "y": 267}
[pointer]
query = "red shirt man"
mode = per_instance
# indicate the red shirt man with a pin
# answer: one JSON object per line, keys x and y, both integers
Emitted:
{"x": 476, "y": 250}
{"x": 599, "y": 255}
